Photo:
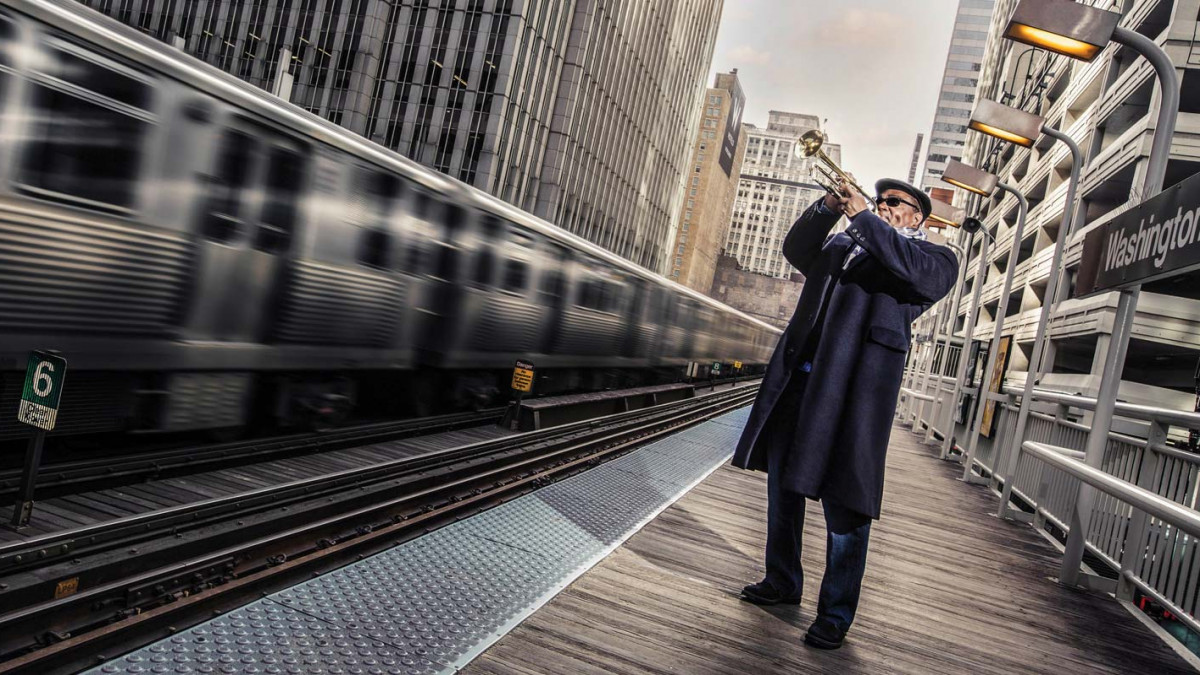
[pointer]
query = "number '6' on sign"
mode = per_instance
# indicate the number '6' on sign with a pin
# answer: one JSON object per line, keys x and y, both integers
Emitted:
{"x": 44, "y": 376}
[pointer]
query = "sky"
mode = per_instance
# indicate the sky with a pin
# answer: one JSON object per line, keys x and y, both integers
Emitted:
{"x": 873, "y": 68}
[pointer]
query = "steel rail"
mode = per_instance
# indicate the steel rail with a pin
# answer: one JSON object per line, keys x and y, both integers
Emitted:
{"x": 137, "y": 465}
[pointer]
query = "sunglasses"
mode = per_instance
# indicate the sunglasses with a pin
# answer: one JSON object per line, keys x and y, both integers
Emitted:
{"x": 893, "y": 202}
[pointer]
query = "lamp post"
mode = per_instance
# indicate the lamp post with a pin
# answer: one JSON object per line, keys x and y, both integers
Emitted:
{"x": 949, "y": 216}
{"x": 1081, "y": 32}
{"x": 1023, "y": 128}
{"x": 970, "y": 226}
{"x": 969, "y": 178}
{"x": 983, "y": 184}
{"x": 954, "y": 217}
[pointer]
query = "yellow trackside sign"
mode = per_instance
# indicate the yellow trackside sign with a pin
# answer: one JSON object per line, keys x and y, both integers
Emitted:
{"x": 522, "y": 379}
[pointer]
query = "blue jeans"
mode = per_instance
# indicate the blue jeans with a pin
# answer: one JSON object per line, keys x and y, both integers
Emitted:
{"x": 846, "y": 531}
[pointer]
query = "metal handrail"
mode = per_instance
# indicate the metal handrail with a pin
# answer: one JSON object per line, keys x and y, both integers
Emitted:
{"x": 913, "y": 393}
{"x": 1159, "y": 507}
{"x": 1181, "y": 418}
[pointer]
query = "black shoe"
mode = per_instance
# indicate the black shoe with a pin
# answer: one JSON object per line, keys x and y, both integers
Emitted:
{"x": 763, "y": 593}
{"x": 824, "y": 634}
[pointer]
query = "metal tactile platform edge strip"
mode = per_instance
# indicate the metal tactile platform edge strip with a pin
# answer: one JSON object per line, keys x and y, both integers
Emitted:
{"x": 435, "y": 603}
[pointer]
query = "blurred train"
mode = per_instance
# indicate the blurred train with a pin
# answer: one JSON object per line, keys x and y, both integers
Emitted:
{"x": 204, "y": 254}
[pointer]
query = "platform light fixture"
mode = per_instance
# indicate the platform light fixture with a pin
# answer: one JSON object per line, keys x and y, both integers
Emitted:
{"x": 970, "y": 179}
{"x": 1006, "y": 123}
{"x": 945, "y": 214}
{"x": 1063, "y": 27}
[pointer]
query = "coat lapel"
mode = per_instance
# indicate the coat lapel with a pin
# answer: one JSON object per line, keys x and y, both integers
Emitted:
{"x": 842, "y": 244}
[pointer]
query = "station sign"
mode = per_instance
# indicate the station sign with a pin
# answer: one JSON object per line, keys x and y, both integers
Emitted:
{"x": 1157, "y": 239}
{"x": 737, "y": 365}
{"x": 716, "y": 367}
{"x": 44, "y": 377}
{"x": 522, "y": 378}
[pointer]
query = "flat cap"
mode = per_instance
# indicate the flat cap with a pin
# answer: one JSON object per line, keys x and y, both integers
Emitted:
{"x": 893, "y": 184}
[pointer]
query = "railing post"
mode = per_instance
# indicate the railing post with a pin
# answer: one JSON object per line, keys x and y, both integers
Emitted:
{"x": 1043, "y": 489}
{"x": 1001, "y": 442}
{"x": 1133, "y": 549}
{"x": 935, "y": 411}
{"x": 1080, "y": 521}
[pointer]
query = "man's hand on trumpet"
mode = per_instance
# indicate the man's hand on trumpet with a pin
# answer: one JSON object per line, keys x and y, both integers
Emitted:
{"x": 848, "y": 200}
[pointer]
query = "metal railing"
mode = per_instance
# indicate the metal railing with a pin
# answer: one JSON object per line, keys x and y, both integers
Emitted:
{"x": 1144, "y": 523}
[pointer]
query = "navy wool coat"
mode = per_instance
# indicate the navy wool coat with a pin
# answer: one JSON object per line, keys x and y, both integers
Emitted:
{"x": 844, "y": 419}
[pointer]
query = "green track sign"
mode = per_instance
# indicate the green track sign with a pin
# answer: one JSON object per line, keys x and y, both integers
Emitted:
{"x": 44, "y": 377}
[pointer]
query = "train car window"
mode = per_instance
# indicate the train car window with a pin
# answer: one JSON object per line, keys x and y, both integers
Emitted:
{"x": 223, "y": 213}
{"x": 374, "y": 248}
{"x": 485, "y": 263}
{"x": 453, "y": 216}
{"x": 423, "y": 205}
{"x": 551, "y": 285}
{"x": 490, "y": 226}
{"x": 99, "y": 80}
{"x": 584, "y": 298}
{"x": 447, "y": 262}
{"x": 283, "y": 179}
{"x": 608, "y": 301}
{"x": 8, "y": 45}
{"x": 414, "y": 258}
{"x": 383, "y": 190}
{"x": 672, "y": 310}
{"x": 516, "y": 276}
{"x": 88, "y": 125}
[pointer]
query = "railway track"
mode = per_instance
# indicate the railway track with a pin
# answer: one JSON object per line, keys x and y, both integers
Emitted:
{"x": 109, "y": 470}
{"x": 72, "y": 596}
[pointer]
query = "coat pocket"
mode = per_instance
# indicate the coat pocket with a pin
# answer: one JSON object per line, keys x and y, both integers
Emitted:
{"x": 886, "y": 337}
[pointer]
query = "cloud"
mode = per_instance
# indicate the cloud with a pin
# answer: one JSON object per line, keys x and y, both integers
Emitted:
{"x": 861, "y": 27}
{"x": 745, "y": 55}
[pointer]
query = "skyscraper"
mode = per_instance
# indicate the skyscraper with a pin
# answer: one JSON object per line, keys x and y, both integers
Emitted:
{"x": 957, "y": 97}
{"x": 774, "y": 190}
{"x": 580, "y": 111}
{"x": 916, "y": 159}
{"x": 716, "y": 166}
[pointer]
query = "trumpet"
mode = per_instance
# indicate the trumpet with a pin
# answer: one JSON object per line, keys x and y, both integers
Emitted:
{"x": 826, "y": 172}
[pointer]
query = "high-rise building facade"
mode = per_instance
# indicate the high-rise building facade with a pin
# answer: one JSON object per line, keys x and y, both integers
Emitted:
{"x": 775, "y": 188}
{"x": 715, "y": 171}
{"x": 1108, "y": 107}
{"x": 580, "y": 111}
{"x": 957, "y": 96}
{"x": 916, "y": 159}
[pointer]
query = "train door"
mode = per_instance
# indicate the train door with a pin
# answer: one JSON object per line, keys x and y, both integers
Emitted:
{"x": 552, "y": 294}
{"x": 249, "y": 207}
{"x": 637, "y": 337}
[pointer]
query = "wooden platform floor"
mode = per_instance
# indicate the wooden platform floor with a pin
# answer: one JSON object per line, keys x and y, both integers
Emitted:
{"x": 949, "y": 589}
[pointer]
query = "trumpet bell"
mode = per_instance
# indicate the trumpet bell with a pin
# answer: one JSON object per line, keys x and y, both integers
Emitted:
{"x": 810, "y": 143}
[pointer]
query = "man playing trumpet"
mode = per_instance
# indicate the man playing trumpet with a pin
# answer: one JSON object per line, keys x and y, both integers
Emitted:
{"x": 822, "y": 418}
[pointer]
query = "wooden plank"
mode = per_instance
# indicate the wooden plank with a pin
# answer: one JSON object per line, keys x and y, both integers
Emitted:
{"x": 949, "y": 589}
